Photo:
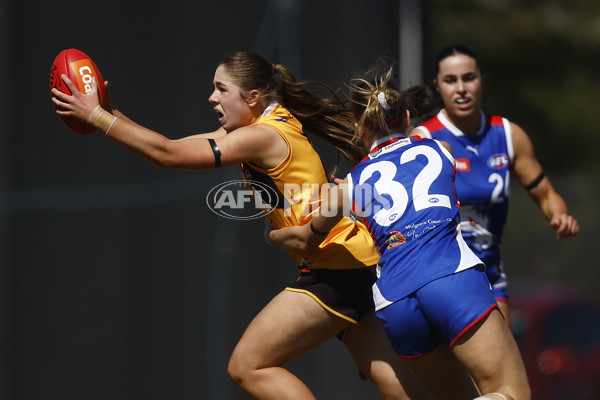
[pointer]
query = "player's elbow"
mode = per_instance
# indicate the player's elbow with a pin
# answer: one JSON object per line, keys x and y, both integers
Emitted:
{"x": 312, "y": 243}
{"x": 300, "y": 245}
{"x": 305, "y": 245}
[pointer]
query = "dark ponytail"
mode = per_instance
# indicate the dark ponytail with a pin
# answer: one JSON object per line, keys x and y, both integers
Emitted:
{"x": 327, "y": 116}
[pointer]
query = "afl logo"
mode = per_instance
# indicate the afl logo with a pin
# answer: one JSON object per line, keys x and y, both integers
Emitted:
{"x": 498, "y": 161}
{"x": 241, "y": 200}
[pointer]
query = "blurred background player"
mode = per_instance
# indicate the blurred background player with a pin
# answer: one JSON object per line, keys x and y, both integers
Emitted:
{"x": 487, "y": 149}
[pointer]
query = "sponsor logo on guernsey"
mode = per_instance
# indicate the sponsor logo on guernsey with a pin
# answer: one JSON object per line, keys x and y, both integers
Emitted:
{"x": 498, "y": 161}
{"x": 375, "y": 154}
{"x": 389, "y": 147}
{"x": 463, "y": 164}
{"x": 472, "y": 150}
{"x": 287, "y": 118}
{"x": 396, "y": 239}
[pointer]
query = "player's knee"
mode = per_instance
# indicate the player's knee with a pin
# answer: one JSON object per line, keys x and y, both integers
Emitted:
{"x": 238, "y": 371}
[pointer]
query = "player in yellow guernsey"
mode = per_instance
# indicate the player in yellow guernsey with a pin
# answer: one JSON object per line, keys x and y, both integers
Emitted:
{"x": 333, "y": 292}
{"x": 297, "y": 180}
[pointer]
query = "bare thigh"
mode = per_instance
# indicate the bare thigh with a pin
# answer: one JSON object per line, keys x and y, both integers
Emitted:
{"x": 490, "y": 353}
{"x": 505, "y": 310}
{"x": 369, "y": 347}
{"x": 290, "y": 325}
{"x": 443, "y": 375}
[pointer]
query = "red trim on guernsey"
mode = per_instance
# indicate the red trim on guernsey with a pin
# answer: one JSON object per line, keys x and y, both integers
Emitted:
{"x": 367, "y": 225}
{"x": 489, "y": 310}
{"x": 434, "y": 124}
{"x": 370, "y": 229}
{"x": 364, "y": 159}
{"x": 381, "y": 145}
{"x": 494, "y": 120}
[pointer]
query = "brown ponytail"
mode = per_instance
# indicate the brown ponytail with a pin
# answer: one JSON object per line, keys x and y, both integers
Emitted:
{"x": 327, "y": 117}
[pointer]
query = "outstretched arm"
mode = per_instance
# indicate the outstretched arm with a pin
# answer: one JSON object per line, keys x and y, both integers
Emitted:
{"x": 214, "y": 135}
{"x": 306, "y": 238}
{"x": 529, "y": 174}
{"x": 258, "y": 143}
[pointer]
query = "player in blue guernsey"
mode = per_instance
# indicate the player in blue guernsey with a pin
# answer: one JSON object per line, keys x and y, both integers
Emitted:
{"x": 487, "y": 150}
{"x": 404, "y": 191}
{"x": 432, "y": 293}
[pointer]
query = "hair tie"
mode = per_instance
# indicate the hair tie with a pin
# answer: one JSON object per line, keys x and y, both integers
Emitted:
{"x": 382, "y": 101}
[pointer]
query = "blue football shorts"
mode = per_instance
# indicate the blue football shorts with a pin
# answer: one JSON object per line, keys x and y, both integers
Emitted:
{"x": 497, "y": 277}
{"x": 438, "y": 312}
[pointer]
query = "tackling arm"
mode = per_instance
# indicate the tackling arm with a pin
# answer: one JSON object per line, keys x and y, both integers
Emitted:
{"x": 306, "y": 238}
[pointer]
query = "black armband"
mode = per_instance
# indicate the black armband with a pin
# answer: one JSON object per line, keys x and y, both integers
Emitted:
{"x": 216, "y": 152}
{"x": 316, "y": 232}
{"x": 536, "y": 182}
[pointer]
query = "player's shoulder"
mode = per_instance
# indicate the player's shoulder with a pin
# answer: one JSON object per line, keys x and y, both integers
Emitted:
{"x": 433, "y": 124}
{"x": 495, "y": 120}
{"x": 504, "y": 124}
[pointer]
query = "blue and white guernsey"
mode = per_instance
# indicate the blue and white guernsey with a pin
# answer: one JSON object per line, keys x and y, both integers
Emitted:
{"x": 482, "y": 180}
{"x": 404, "y": 190}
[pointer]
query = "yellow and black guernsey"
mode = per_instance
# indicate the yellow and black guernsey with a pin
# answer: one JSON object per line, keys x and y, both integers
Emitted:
{"x": 297, "y": 182}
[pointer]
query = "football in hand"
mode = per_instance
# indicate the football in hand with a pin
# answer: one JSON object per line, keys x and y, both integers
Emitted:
{"x": 80, "y": 69}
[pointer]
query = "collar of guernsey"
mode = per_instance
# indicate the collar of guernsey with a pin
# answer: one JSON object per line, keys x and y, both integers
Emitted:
{"x": 384, "y": 141}
{"x": 349, "y": 245}
{"x": 270, "y": 108}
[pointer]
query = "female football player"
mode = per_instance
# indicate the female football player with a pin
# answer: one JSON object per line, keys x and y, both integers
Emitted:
{"x": 432, "y": 293}
{"x": 487, "y": 149}
{"x": 263, "y": 113}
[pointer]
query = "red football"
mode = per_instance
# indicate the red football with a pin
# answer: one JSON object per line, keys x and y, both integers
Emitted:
{"x": 80, "y": 69}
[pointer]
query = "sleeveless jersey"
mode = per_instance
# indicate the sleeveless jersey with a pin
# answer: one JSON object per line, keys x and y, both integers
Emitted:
{"x": 404, "y": 189}
{"x": 482, "y": 179}
{"x": 298, "y": 180}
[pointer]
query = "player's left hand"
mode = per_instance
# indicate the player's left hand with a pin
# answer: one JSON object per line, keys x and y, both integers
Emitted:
{"x": 78, "y": 105}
